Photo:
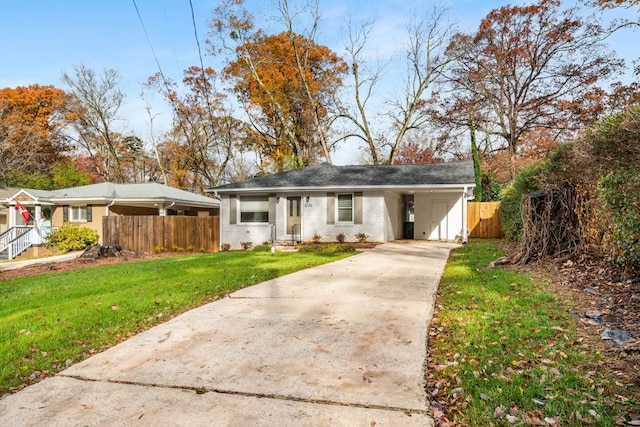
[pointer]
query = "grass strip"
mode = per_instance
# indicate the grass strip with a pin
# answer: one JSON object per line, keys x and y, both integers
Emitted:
{"x": 506, "y": 352}
{"x": 52, "y": 320}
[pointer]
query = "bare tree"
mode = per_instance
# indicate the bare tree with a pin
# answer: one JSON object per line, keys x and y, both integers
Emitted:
{"x": 426, "y": 63}
{"x": 363, "y": 89}
{"x": 96, "y": 102}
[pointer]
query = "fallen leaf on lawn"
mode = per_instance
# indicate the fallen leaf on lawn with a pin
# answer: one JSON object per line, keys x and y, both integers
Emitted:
{"x": 622, "y": 398}
{"x": 498, "y": 413}
{"x": 555, "y": 372}
{"x": 458, "y": 391}
{"x": 115, "y": 308}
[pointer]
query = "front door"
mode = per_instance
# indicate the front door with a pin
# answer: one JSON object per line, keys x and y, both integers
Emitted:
{"x": 294, "y": 221}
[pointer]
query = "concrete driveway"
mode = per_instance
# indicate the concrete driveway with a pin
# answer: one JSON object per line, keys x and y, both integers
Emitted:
{"x": 339, "y": 344}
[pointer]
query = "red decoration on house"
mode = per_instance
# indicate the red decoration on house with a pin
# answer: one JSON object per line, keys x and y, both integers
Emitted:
{"x": 23, "y": 211}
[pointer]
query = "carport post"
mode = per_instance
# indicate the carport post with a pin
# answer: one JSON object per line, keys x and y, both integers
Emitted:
{"x": 464, "y": 215}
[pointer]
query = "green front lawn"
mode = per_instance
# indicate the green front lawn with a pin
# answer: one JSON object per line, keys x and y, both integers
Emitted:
{"x": 506, "y": 352}
{"x": 51, "y": 320}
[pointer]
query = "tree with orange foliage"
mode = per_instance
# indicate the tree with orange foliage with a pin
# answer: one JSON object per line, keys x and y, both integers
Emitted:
{"x": 529, "y": 69}
{"x": 414, "y": 152}
{"x": 31, "y": 137}
{"x": 287, "y": 83}
{"x": 205, "y": 140}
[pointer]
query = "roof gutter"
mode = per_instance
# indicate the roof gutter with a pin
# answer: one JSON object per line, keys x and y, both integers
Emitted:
{"x": 417, "y": 187}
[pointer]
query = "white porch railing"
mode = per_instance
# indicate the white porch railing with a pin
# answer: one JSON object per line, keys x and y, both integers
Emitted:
{"x": 18, "y": 239}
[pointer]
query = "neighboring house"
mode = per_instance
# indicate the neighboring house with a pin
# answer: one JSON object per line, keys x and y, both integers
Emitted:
{"x": 86, "y": 205}
{"x": 387, "y": 202}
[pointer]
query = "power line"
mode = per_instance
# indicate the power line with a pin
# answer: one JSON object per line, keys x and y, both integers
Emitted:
{"x": 149, "y": 41}
{"x": 204, "y": 77}
{"x": 195, "y": 33}
{"x": 164, "y": 82}
{"x": 172, "y": 101}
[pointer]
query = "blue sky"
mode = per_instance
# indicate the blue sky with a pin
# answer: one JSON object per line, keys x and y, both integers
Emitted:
{"x": 40, "y": 39}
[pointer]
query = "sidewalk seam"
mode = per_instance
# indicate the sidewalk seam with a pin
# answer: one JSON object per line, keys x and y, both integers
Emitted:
{"x": 203, "y": 390}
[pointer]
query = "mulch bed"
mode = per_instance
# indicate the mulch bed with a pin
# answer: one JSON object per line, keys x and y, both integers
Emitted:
{"x": 90, "y": 258}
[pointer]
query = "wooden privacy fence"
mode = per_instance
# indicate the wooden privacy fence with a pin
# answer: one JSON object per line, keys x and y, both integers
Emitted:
{"x": 483, "y": 219}
{"x": 145, "y": 232}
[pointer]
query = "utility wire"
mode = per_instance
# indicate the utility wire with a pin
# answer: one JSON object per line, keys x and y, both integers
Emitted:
{"x": 195, "y": 33}
{"x": 211, "y": 128}
{"x": 204, "y": 77}
{"x": 149, "y": 41}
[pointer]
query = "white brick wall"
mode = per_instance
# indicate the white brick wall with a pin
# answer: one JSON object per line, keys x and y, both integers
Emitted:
{"x": 393, "y": 216}
{"x": 314, "y": 220}
{"x": 382, "y": 219}
{"x": 234, "y": 234}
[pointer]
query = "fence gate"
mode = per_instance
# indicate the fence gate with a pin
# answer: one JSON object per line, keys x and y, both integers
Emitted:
{"x": 483, "y": 219}
{"x": 146, "y": 232}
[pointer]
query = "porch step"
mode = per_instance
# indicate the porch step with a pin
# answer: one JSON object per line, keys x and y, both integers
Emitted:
{"x": 285, "y": 246}
{"x": 288, "y": 242}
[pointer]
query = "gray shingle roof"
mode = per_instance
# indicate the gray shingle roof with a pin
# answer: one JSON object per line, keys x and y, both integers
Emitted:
{"x": 327, "y": 176}
{"x": 106, "y": 191}
{"x": 130, "y": 192}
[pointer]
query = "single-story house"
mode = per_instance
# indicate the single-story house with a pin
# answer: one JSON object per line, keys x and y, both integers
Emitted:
{"x": 86, "y": 205}
{"x": 386, "y": 202}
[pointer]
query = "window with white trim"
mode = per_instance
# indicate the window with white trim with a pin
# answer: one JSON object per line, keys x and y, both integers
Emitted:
{"x": 254, "y": 209}
{"x": 77, "y": 213}
{"x": 345, "y": 207}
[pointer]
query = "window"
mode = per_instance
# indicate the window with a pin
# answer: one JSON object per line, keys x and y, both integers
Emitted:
{"x": 345, "y": 207}
{"x": 78, "y": 213}
{"x": 254, "y": 209}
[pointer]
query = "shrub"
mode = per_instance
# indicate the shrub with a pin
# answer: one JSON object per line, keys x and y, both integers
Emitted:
{"x": 262, "y": 248}
{"x": 328, "y": 249}
{"x": 340, "y": 238}
{"x": 190, "y": 248}
{"x": 246, "y": 245}
{"x": 362, "y": 237}
{"x": 225, "y": 247}
{"x": 71, "y": 238}
{"x": 175, "y": 248}
{"x": 317, "y": 238}
{"x": 158, "y": 249}
{"x": 620, "y": 194}
{"x": 526, "y": 181}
